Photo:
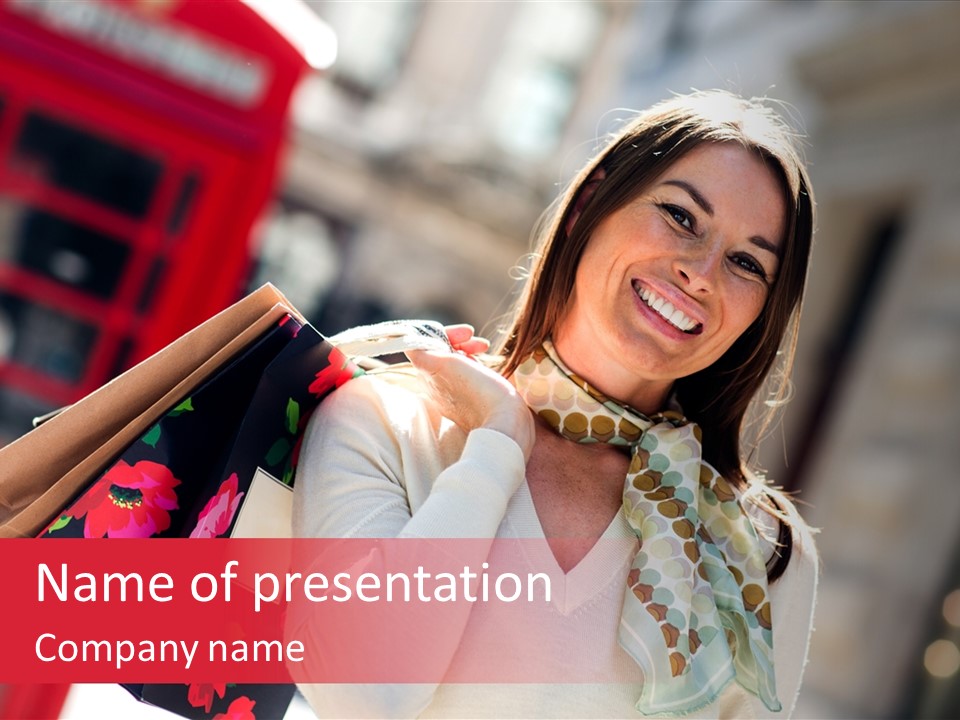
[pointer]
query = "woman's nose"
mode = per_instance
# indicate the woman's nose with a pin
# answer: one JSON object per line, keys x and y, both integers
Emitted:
{"x": 697, "y": 268}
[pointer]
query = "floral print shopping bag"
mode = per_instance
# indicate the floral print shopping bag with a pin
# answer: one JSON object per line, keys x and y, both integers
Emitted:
{"x": 189, "y": 474}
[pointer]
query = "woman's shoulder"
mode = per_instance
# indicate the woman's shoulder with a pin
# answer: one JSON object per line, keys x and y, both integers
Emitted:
{"x": 382, "y": 380}
{"x": 389, "y": 390}
{"x": 390, "y": 406}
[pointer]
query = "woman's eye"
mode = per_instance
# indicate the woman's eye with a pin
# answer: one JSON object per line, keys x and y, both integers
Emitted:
{"x": 746, "y": 262}
{"x": 680, "y": 216}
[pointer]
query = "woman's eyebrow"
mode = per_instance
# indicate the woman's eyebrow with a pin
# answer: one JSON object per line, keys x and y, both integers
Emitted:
{"x": 697, "y": 196}
{"x": 764, "y": 244}
{"x": 699, "y": 199}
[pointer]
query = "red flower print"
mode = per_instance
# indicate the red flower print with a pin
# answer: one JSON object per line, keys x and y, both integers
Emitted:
{"x": 335, "y": 374}
{"x": 218, "y": 513}
{"x": 240, "y": 709}
{"x": 128, "y": 502}
{"x": 201, "y": 694}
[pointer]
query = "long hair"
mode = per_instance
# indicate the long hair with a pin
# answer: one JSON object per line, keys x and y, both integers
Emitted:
{"x": 716, "y": 398}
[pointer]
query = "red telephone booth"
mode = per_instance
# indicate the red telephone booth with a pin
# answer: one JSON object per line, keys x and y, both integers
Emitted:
{"x": 139, "y": 141}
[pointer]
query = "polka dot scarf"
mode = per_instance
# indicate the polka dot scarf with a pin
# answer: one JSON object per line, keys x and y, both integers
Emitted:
{"x": 696, "y": 613}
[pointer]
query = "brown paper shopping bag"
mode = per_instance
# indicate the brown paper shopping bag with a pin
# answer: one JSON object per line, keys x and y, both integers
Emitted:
{"x": 43, "y": 470}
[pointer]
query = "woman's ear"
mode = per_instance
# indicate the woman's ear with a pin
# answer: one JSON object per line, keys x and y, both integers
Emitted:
{"x": 583, "y": 197}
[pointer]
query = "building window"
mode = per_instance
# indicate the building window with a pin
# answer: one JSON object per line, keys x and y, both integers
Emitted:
{"x": 372, "y": 40}
{"x": 535, "y": 83}
{"x": 851, "y": 321}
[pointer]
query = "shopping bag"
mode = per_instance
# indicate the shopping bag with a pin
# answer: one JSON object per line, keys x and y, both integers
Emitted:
{"x": 43, "y": 471}
{"x": 189, "y": 474}
{"x": 207, "y": 700}
{"x": 103, "y": 466}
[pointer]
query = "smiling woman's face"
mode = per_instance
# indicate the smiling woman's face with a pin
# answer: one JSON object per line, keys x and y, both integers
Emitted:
{"x": 668, "y": 282}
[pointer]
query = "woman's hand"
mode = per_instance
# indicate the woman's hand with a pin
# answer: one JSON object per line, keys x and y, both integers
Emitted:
{"x": 474, "y": 396}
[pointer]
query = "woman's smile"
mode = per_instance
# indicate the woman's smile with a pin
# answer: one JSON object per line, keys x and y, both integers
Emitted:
{"x": 665, "y": 309}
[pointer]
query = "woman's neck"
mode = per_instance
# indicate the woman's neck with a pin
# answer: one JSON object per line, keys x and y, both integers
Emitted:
{"x": 615, "y": 380}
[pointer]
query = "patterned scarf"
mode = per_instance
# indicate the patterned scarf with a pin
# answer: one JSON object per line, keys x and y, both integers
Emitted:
{"x": 696, "y": 612}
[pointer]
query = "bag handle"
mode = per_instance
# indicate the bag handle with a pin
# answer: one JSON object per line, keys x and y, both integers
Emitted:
{"x": 366, "y": 341}
{"x": 391, "y": 337}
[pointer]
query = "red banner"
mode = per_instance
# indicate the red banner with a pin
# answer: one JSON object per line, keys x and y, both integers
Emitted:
{"x": 276, "y": 611}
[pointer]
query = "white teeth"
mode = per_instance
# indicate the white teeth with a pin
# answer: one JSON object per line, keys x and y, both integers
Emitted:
{"x": 666, "y": 310}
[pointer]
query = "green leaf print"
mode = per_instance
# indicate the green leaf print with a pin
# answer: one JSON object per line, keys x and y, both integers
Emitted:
{"x": 61, "y": 523}
{"x": 185, "y": 406}
{"x": 152, "y": 436}
{"x": 278, "y": 451}
{"x": 293, "y": 416}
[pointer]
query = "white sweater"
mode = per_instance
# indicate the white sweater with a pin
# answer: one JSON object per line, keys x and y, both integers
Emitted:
{"x": 380, "y": 461}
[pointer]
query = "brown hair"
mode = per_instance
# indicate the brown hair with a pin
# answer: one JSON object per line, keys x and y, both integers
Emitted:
{"x": 717, "y": 397}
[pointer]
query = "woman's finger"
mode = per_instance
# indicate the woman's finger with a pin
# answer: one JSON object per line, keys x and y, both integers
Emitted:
{"x": 474, "y": 346}
{"x": 459, "y": 333}
{"x": 462, "y": 338}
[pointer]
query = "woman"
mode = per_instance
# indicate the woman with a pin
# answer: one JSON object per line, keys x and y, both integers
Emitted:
{"x": 667, "y": 283}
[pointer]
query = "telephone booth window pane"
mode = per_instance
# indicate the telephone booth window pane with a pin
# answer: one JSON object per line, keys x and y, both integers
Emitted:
{"x": 149, "y": 289}
{"x": 87, "y": 164}
{"x": 44, "y": 339}
{"x": 181, "y": 208}
{"x": 64, "y": 251}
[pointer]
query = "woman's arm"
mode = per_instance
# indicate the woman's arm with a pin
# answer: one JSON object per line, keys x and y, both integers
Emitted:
{"x": 381, "y": 459}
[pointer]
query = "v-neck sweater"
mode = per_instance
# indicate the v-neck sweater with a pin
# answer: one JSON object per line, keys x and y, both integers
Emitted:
{"x": 379, "y": 460}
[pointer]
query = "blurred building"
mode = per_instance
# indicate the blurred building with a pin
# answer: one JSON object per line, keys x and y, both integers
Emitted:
{"x": 422, "y": 161}
{"x": 424, "y": 158}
